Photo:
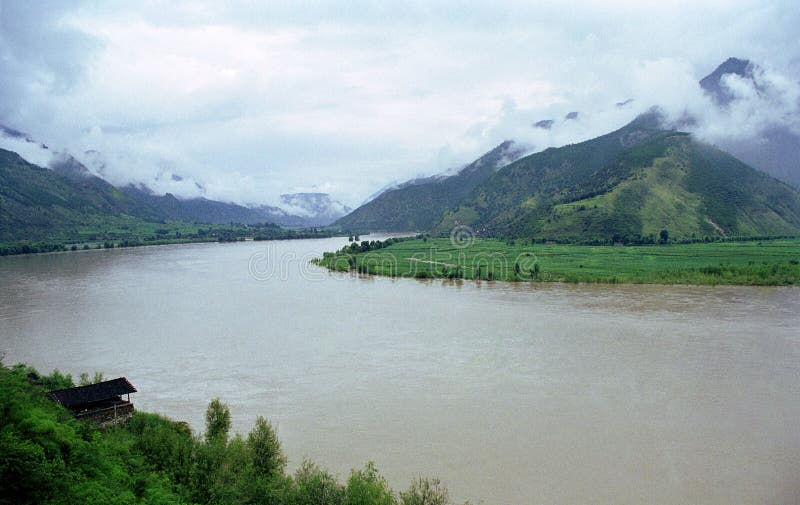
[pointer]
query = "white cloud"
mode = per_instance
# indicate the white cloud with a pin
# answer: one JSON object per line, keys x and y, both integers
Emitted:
{"x": 30, "y": 151}
{"x": 254, "y": 100}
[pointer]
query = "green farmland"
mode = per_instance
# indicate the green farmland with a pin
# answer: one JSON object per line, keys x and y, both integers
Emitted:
{"x": 108, "y": 232}
{"x": 767, "y": 262}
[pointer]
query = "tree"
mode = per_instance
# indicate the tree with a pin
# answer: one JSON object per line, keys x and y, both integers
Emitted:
{"x": 57, "y": 380}
{"x": 268, "y": 457}
{"x": 85, "y": 380}
{"x": 218, "y": 421}
{"x": 664, "y": 236}
{"x": 316, "y": 487}
{"x": 425, "y": 492}
{"x": 368, "y": 487}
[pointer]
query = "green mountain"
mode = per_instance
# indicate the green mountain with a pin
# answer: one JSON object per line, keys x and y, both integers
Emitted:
{"x": 318, "y": 209}
{"x": 628, "y": 186}
{"x": 203, "y": 210}
{"x": 419, "y": 205}
{"x": 37, "y": 203}
{"x": 40, "y": 204}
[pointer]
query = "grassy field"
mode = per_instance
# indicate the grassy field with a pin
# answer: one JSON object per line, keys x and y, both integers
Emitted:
{"x": 767, "y": 262}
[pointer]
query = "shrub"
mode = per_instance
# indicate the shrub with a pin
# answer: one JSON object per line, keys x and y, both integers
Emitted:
{"x": 368, "y": 487}
{"x": 316, "y": 487}
{"x": 425, "y": 492}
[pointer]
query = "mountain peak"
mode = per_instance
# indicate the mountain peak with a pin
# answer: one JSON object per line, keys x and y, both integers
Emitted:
{"x": 774, "y": 147}
{"x": 627, "y": 186}
{"x": 69, "y": 167}
{"x": 420, "y": 205}
{"x": 712, "y": 83}
{"x": 734, "y": 65}
{"x": 653, "y": 119}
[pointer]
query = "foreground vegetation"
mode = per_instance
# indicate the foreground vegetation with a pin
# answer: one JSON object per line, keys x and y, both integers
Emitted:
{"x": 766, "y": 262}
{"x": 47, "y": 457}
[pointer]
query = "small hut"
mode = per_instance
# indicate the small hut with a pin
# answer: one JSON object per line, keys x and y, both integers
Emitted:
{"x": 101, "y": 402}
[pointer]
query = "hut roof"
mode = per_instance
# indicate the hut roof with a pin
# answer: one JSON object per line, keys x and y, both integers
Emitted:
{"x": 93, "y": 392}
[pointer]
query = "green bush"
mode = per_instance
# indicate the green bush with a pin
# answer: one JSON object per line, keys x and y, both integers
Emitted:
{"x": 314, "y": 486}
{"x": 425, "y": 492}
{"x": 48, "y": 457}
{"x": 368, "y": 487}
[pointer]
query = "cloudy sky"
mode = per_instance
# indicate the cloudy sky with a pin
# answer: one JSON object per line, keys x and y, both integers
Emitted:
{"x": 255, "y": 99}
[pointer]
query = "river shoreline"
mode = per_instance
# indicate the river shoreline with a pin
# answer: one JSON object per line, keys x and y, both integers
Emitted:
{"x": 754, "y": 263}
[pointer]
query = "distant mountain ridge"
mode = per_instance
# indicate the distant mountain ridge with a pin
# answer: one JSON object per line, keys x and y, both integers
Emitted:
{"x": 203, "y": 210}
{"x": 680, "y": 185}
{"x": 37, "y": 202}
{"x": 776, "y": 150}
{"x": 319, "y": 209}
{"x": 312, "y": 209}
{"x": 628, "y": 186}
{"x": 419, "y": 205}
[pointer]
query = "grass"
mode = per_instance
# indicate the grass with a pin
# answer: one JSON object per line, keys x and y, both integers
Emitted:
{"x": 766, "y": 262}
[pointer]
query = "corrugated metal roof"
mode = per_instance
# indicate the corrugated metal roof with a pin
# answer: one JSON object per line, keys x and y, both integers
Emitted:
{"x": 92, "y": 393}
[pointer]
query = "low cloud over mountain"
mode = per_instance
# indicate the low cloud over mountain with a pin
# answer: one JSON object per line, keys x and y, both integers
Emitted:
{"x": 251, "y": 101}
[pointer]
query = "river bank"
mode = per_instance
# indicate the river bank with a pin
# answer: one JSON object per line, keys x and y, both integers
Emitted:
{"x": 752, "y": 263}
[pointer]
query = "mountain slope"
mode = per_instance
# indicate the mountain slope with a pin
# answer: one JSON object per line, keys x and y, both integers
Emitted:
{"x": 41, "y": 204}
{"x": 419, "y": 206}
{"x": 203, "y": 210}
{"x": 528, "y": 185}
{"x": 303, "y": 209}
{"x": 36, "y": 202}
{"x": 628, "y": 186}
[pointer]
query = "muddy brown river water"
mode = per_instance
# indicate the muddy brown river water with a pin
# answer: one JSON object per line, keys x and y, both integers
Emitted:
{"x": 510, "y": 393}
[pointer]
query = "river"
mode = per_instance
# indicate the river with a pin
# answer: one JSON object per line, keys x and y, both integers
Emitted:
{"x": 510, "y": 393}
